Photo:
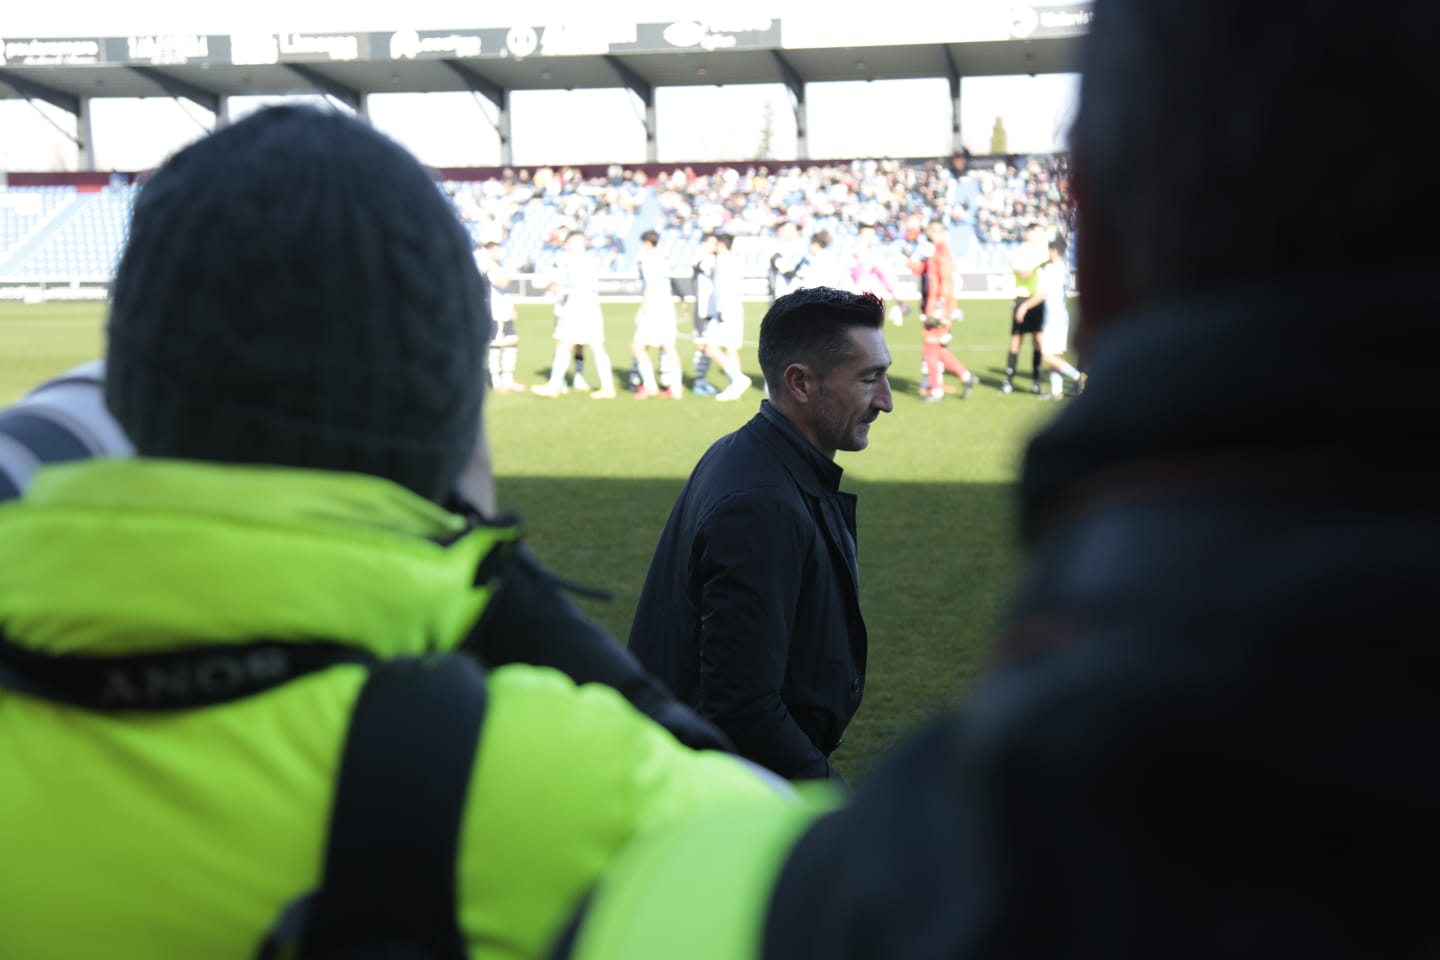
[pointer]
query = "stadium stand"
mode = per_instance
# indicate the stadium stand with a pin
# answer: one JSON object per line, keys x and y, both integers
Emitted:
{"x": 25, "y": 213}
{"x": 58, "y": 234}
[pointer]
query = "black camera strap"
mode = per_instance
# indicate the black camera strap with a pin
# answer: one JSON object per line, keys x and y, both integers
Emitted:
{"x": 390, "y": 884}
{"x": 203, "y": 673}
{"x": 196, "y": 676}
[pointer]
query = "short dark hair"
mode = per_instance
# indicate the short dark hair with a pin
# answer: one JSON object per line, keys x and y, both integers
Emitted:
{"x": 812, "y": 326}
{"x": 650, "y": 236}
{"x": 725, "y": 240}
{"x": 821, "y": 238}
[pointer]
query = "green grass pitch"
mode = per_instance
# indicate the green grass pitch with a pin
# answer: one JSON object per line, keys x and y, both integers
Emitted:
{"x": 594, "y": 482}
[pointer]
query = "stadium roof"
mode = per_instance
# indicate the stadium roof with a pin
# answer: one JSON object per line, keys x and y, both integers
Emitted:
{"x": 205, "y": 68}
{"x": 349, "y": 66}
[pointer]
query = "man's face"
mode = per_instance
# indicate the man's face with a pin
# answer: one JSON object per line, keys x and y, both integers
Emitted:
{"x": 852, "y": 395}
{"x": 708, "y": 245}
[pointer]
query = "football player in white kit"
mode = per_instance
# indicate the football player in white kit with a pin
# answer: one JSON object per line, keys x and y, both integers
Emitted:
{"x": 504, "y": 337}
{"x": 656, "y": 324}
{"x": 1053, "y": 290}
{"x": 579, "y": 321}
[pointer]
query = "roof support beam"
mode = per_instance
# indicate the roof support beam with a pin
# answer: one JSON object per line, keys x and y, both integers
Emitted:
{"x": 789, "y": 75}
{"x": 349, "y": 96}
{"x": 796, "y": 85}
{"x": 635, "y": 83}
{"x": 477, "y": 82}
{"x": 180, "y": 89}
{"x": 952, "y": 70}
{"x": 31, "y": 90}
{"x": 483, "y": 86}
{"x": 645, "y": 90}
{"x": 85, "y": 135}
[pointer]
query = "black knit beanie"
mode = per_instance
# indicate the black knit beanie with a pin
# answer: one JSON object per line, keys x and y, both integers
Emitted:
{"x": 296, "y": 291}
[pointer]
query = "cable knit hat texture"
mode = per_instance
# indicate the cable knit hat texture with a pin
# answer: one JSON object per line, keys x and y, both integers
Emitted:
{"x": 295, "y": 290}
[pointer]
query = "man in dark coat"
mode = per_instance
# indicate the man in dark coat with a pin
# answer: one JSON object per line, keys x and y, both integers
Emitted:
{"x": 751, "y": 609}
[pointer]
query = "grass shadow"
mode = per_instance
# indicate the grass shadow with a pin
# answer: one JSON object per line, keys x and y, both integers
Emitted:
{"x": 937, "y": 563}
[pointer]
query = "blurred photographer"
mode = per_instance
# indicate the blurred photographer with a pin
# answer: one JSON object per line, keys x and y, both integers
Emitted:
{"x": 529, "y": 620}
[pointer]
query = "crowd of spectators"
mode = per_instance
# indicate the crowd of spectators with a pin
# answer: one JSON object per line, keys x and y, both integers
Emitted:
{"x": 991, "y": 200}
{"x": 985, "y": 203}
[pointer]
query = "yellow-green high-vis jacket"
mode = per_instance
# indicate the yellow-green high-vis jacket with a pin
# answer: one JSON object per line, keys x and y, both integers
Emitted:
{"x": 146, "y": 834}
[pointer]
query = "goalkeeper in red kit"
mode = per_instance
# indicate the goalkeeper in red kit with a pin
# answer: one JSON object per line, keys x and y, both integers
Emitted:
{"x": 937, "y": 298}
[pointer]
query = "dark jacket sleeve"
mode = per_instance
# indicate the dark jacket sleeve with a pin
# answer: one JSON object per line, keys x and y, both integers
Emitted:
{"x": 530, "y": 620}
{"x": 745, "y": 569}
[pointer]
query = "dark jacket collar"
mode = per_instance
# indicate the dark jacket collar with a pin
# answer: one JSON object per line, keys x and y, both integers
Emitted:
{"x": 1305, "y": 368}
{"x": 820, "y": 474}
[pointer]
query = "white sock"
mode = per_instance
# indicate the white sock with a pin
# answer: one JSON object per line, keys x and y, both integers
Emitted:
{"x": 606, "y": 383}
{"x": 731, "y": 368}
{"x": 647, "y": 375}
{"x": 507, "y": 365}
{"x": 495, "y": 380}
{"x": 1069, "y": 371}
{"x": 1056, "y": 384}
{"x": 559, "y": 365}
{"x": 667, "y": 369}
